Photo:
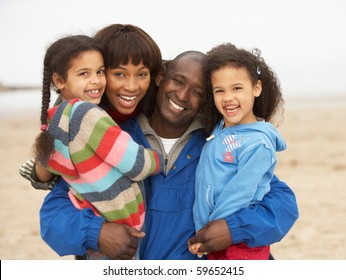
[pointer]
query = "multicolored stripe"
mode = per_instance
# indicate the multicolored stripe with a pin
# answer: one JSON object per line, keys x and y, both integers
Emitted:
{"x": 101, "y": 163}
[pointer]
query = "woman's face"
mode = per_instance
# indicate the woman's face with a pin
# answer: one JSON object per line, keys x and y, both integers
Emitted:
{"x": 126, "y": 86}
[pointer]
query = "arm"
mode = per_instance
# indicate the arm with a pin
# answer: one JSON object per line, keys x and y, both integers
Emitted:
{"x": 69, "y": 231}
{"x": 268, "y": 221}
{"x": 42, "y": 173}
{"x": 260, "y": 224}
{"x": 28, "y": 171}
{"x": 65, "y": 229}
{"x": 94, "y": 138}
{"x": 248, "y": 185}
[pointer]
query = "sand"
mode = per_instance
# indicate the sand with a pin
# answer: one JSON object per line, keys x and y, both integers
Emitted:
{"x": 314, "y": 166}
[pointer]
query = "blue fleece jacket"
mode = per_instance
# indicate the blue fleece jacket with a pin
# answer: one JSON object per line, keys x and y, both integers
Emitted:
{"x": 235, "y": 169}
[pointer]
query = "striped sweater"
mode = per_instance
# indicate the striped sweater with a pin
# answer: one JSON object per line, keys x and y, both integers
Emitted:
{"x": 101, "y": 163}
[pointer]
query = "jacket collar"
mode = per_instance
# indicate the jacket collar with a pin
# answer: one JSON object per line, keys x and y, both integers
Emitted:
{"x": 156, "y": 144}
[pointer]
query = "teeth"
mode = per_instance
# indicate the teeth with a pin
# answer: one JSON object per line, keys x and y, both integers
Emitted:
{"x": 231, "y": 108}
{"x": 130, "y": 98}
{"x": 94, "y": 91}
{"x": 175, "y": 106}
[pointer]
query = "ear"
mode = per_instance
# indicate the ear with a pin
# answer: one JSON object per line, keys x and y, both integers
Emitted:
{"x": 58, "y": 81}
{"x": 258, "y": 88}
{"x": 160, "y": 75}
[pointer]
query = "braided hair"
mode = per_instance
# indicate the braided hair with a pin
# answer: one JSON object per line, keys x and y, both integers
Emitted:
{"x": 58, "y": 59}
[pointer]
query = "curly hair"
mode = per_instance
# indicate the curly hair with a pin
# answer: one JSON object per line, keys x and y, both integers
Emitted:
{"x": 267, "y": 106}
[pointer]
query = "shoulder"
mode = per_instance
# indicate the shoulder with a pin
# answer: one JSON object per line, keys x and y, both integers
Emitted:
{"x": 80, "y": 108}
{"x": 130, "y": 125}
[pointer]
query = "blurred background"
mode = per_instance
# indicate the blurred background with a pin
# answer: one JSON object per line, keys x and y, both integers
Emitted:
{"x": 303, "y": 41}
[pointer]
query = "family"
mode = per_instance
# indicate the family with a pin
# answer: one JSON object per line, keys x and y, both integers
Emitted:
{"x": 153, "y": 159}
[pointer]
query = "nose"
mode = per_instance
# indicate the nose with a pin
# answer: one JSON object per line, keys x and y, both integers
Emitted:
{"x": 95, "y": 80}
{"x": 183, "y": 94}
{"x": 131, "y": 84}
{"x": 228, "y": 96}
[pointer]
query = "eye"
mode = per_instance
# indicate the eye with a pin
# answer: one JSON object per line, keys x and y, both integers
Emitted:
{"x": 178, "y": 81}
{"x": 218, "y": 91}
{"x": 119, "y": 74}
{"x": 101, "y": 72}
{"x": 143, "y": 75}
{"x": 197, "y": 93}
{"x": 84, "y": 73}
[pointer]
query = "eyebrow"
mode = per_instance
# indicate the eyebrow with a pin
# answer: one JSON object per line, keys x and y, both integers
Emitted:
{"x": 121, "y": 67}
{"x": 236, "y": 84}
{"x": 86, "y": 68}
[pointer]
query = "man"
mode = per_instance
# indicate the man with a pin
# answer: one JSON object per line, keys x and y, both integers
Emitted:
{"x": 174, "y": 129}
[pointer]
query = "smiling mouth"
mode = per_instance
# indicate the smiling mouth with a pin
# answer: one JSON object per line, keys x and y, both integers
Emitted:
{"x": 93, "y": 91}
{"x": 231, "y": 109}
{"x": 175, "y": 106}
{"x": 127, "y": 100}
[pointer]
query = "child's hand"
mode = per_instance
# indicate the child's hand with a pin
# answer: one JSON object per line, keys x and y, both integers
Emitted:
{"x": 193, "y": 248}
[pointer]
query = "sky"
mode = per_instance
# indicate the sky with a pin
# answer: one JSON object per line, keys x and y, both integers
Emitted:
{"x": 303, "y": 41}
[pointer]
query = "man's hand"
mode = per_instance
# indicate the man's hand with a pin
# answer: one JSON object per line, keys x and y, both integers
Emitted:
{"x": 119, "y": 241}
{"x": 214, "y": 236}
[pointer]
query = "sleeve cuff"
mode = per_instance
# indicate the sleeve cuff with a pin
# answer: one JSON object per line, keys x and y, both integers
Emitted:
{"x": 94, "y": 232}
{"x": 235, "y": 229}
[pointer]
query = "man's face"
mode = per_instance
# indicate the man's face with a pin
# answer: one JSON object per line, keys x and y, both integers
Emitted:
{"x": 180, "y": 94}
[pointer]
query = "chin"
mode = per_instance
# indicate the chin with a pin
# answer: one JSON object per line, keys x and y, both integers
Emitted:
{"x": 96, "y": 102}
{"x": 126, "y": 111}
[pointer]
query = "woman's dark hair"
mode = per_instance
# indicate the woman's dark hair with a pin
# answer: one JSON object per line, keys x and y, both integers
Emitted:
{"x": 267, "y": 105}
{"x": 124, "y": 43}
{"x": 58, "y": 59}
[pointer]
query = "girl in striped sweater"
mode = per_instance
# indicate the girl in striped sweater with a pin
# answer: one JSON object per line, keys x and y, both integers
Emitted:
{"x": 83, "y": 144}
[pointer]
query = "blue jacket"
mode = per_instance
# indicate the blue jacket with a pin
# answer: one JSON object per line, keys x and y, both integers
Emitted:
{"x": 169, "y": 199}
{"x": 169, "y": 203}
{"x": 235, "y": 169}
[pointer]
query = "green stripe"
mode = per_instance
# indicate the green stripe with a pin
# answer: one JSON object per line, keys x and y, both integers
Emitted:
{"x": 153, "y": 161}
{"x": 67, "y": 110}
{"x": 129, "y": 208}
{"x": 93, "y": 143}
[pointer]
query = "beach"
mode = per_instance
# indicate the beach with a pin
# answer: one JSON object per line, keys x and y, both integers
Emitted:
{"x": 314, "y": 166}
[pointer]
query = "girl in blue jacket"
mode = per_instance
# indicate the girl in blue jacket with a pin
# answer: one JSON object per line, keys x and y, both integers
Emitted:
{"x": 237, "y": 162}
